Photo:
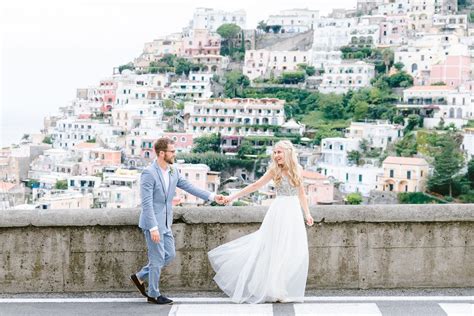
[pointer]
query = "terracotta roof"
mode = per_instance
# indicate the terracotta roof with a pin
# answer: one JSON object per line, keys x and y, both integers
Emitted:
{"x": 313, "y": 175}
{"x": 85, "y": 145}
{"x": 406, "y": 161}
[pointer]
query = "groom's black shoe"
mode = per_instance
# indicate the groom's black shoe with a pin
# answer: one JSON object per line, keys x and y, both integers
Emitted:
{"x": 140, "y": 286}
{"x": 160, "y": 300}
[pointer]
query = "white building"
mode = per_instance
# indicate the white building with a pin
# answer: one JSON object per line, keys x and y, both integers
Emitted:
{"x": 321, "y": 58}
{"x": 458, "y": 109}
{"x": 334, "y": 150}
{"x": 331, "y": 34}
{"x": 334, "y": 163}
{"x": 347, "y": 75}
{"x": 211, "y": 19}
{"x": 295, "y": 20}
{"x": 83, "y": 183}
{"x": 72, "y": 131}
{"x": 196, "y": 86}
{"x": 379, "y": 134}
{"x": 262, "y": 62}
{"x": 120, "y": 189}
{"x": 468, "y": 142}
{"x": 233, "y": 116}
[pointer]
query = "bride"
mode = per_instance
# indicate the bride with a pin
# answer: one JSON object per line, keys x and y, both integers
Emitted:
{"x": 271, "y": 264}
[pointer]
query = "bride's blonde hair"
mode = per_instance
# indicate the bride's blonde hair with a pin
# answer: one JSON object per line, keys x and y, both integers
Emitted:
{"x": 290, "y": 164}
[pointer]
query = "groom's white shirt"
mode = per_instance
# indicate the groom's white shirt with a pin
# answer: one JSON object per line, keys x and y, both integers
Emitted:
{"x": 166, "y": 178}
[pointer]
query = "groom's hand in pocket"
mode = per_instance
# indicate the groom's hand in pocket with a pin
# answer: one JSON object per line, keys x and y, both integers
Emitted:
{"x": 155, "y": 236}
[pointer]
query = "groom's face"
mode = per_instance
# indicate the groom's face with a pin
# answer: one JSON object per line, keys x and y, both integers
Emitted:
{"x": 170, "y": 154}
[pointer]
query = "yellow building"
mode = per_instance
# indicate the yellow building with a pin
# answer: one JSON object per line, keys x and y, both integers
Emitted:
{"x": 403, "y": 174}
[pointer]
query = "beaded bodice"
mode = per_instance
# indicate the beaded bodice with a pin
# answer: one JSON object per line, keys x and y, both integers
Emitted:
{"x": 284, "y": 188}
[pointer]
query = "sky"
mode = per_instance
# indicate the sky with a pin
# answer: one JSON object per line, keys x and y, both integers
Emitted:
{"x": 50, "y": 48}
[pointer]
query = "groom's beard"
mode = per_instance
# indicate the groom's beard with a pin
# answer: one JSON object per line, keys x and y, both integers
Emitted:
{"x": 169, "y": 160}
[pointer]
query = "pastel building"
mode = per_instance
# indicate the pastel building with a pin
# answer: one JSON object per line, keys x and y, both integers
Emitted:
{"x": 318, "y": 188}
{"x": 201, "y": 42}
{"x": 197, "y": 174}
{"x": 403, "y": 174}
{"x": 183, "y": 142}
{"x": 453, "y": 71}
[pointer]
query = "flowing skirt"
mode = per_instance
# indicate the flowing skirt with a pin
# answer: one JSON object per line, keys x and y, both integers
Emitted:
{"x": 270, "y": 264}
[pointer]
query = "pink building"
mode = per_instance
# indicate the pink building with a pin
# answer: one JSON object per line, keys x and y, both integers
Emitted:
{"x": 106, "y": 92}
{"x": 200, "y": 176}
{"x": 454, "y": 71}
{"x": 183, "y": 142}
{"x": 318, "y": 188}
{"x": 201, "y": 42}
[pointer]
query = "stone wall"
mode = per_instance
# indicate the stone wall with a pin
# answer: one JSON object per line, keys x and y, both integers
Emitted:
{"x": 377, "y": 246}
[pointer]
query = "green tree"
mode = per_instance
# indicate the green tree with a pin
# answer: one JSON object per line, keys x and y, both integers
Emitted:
{"x": 448, "y": 161}
{"x": 247, "y": 148}
{"x": 276, "y": 28}
{"x": 331, "y": 105}
{"x": 354, "y": 198}
{"x": 388, "y": 56}
{"x": 292, "y": 77}
{"x": 228, "y": 32}
{"x": 261, "y": 26}
{"x": 413, "y": 121}
{"x": 400, "y": 79}
{"x": 47, "y": 140}
{"x": 129, "y": 66}
{"x": 207, "y": 143}
{"x": 361, "y": 110}
{"x": 61, "y": 185}
{"x": 326, "y": 132}
{"x": 235, "y": 83}
{"x": 470, "y": 172}
{"x": 407, "y": 146}
{"x": 354, "y": 156}
{"x": 399, "y": 66}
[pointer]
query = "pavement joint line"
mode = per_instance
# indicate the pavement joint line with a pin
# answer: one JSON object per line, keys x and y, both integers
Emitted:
{"x": 190, "y": 300}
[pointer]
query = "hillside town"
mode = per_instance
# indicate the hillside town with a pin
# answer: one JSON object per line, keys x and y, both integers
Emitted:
{"x": 378, "y": 100}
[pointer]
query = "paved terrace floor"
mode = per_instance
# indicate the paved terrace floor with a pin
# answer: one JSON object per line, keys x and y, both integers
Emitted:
{"x": 435, "y": 302}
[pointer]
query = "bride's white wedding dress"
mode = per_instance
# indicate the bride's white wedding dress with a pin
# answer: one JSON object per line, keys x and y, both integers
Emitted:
{"x": 270, "y": 264}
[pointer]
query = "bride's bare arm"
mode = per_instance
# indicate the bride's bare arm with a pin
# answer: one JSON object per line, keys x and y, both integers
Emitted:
{"x": 304, "y": 200}
{"x": 252, "y": 187}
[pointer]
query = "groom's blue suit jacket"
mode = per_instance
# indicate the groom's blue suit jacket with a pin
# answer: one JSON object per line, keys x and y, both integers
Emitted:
{"x": 157, "y": 202}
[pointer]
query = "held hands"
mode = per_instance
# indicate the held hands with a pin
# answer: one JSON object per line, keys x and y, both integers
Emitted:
{"x": 220, "y": 199}
{"x": 223, "y": 200}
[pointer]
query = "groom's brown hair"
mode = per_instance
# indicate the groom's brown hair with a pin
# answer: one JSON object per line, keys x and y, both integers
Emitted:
{"x": 162, "y": 145}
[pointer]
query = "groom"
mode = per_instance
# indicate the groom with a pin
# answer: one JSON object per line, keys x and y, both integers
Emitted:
{"x": 157, "y": 188}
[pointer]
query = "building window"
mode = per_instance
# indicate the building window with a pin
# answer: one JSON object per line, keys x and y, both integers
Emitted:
{"x": 360, "y": 178}
{"x": 391, "y": 173}
{"x": 408, "y": 174}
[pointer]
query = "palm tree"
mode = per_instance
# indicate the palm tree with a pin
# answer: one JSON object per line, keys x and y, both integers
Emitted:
{"x": 388, "y": 56}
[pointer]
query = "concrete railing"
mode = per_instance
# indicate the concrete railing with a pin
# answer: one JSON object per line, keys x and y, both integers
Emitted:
{"x": 381, "y": 246}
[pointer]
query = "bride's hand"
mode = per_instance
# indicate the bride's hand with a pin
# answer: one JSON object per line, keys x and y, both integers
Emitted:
{"x": 309, "y": 220}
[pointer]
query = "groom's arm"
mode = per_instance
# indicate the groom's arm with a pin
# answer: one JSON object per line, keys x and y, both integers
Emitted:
{"x": 146, "y": 190}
